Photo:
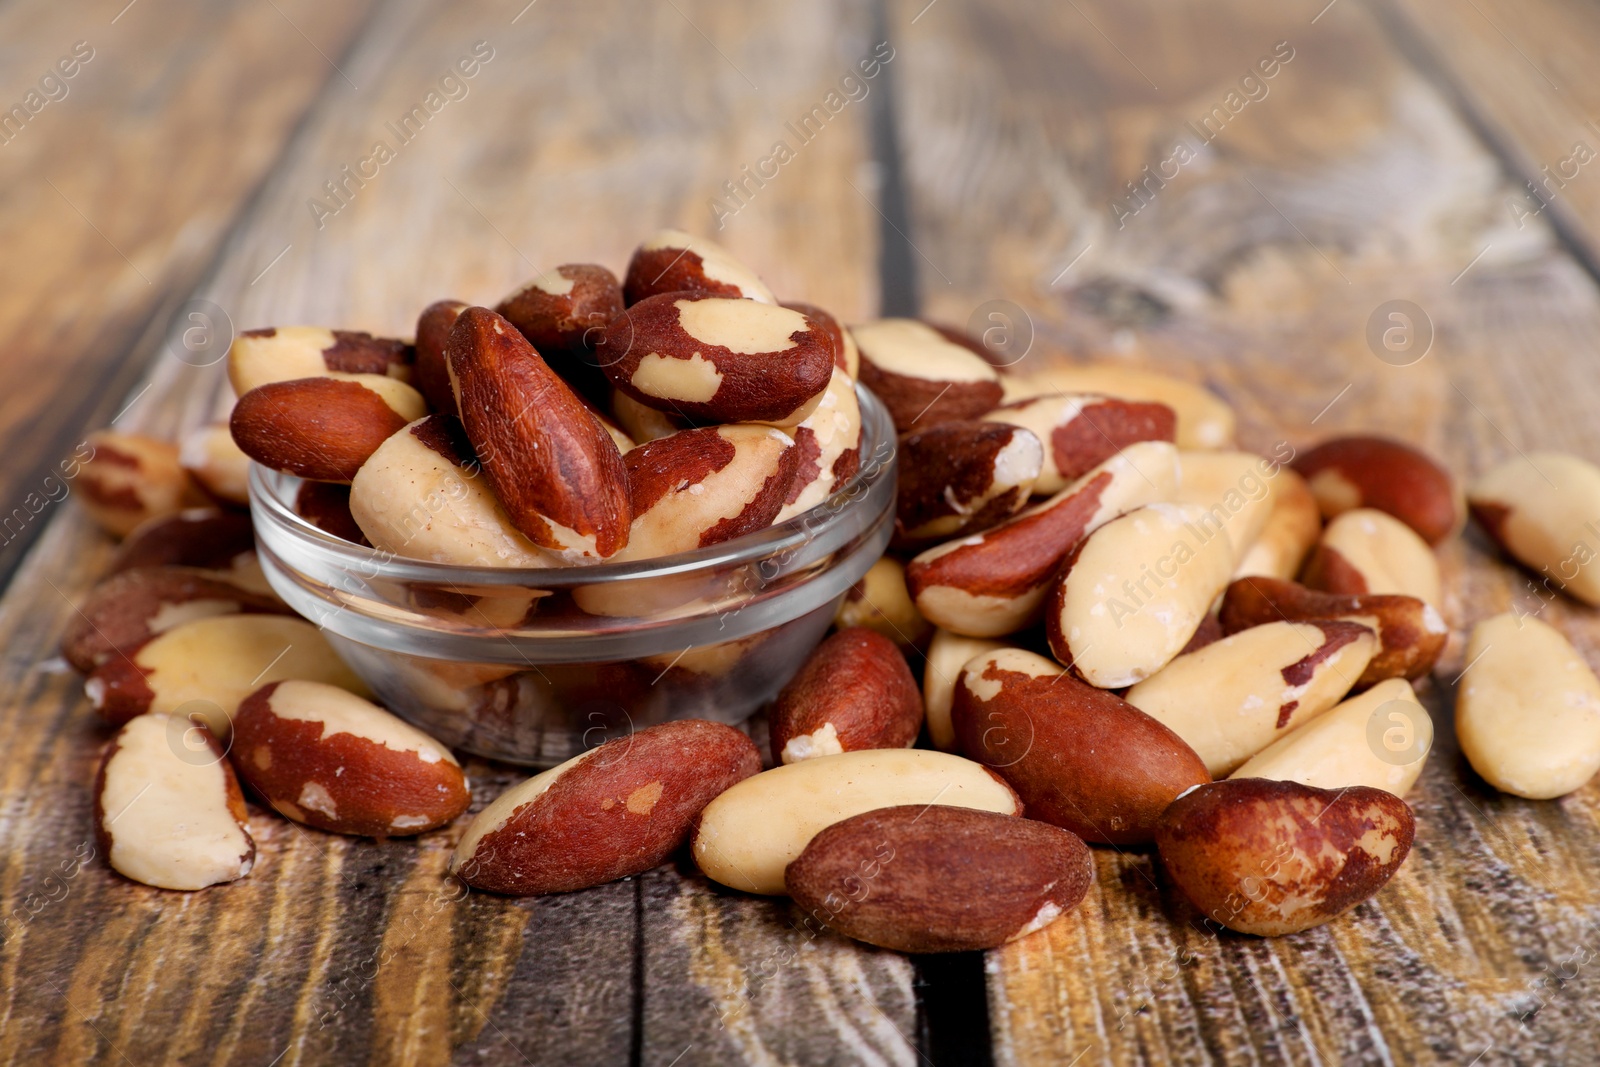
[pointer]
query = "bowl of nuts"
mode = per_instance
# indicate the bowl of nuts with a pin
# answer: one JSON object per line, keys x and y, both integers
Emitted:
{"x": 651, "y": 516}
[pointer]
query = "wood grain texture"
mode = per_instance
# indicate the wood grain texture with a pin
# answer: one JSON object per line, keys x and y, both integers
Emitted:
{"x": 1522, "y": 74}
{"x": 1350, "y": 183}
{"x": 114, "y": 197}
{"x": 590, "y": 126}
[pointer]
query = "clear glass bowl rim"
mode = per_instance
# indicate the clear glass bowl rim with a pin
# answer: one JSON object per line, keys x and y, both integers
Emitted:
{"x": 878, "y": 449}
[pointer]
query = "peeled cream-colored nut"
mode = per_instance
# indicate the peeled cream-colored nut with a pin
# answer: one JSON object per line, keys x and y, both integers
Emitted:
{"x": 167, "y": 808}
{"x": 947, "y": 654}
{"x": 1204, "y": 421}
{"x": 1135, "y": 591}
{"x": 216, "y": 463}
{"x": 1233, "y": 698}
{"x": 750, "y": 833}
{"x": 1368, "y": 551}
{"x": 1362, "y": 741}
{"x": 1542, "y": 509}
{"x": 879, "y": 601}
{"x": 829, "y": 443}
{"x": 643, "y": 424}
{"x": 1234, "y": 487}
{"x": 422, "y": 495}
{"x": 1082, "y": 430}
{"x": 995, "y": 582}
{"x": 283, "y": 353}
{"x": 922, "y": 376}
{"x": 130, "y": 607}
{"x": 206, "y": 667}
{"x": 1528, "y": 709}
{"x": 1294, "y": 522}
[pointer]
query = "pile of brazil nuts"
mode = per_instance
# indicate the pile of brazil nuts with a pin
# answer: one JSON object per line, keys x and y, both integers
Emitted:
{"x": 1128, "y": 633}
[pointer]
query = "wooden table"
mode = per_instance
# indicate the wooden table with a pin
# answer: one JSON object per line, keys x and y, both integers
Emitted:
{"x": 988, "y": 159}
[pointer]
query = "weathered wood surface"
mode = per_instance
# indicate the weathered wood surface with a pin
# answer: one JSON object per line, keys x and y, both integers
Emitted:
{"x": 1352, "y": 183}
{"x": 117, "y": 192}
{"x": 1522, "y": 73}
{"x": 341, "y": 951}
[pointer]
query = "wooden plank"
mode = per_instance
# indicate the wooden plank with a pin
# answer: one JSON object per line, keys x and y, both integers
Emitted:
{"x": 337, "y": 950}
{"x": 1522, "y": 74}
{"x": 1256, "y": 268}
{"x": 115, "y": 195}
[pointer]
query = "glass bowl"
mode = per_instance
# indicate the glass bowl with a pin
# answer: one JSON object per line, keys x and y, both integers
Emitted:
{"x": 505, "y": 663}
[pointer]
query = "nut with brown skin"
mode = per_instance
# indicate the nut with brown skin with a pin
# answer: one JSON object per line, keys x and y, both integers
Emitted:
{"x": 694, "y": 489}
{"x": 1293, "y": 525}
{"x": 130, "y": 607}
{"x": 1541, "y": 509}
{"x": 996, "y": 582}
{"x": 672, "y": 261}
{"x": 1271, "y": 858}
{"x": 1134, "y": 591}
{"x": 718, "y": 359}
{"x": 751, "y": 832}
{"x": 923, "y": 377}
{"x": 322, "y": 428}
{"x": 207, "y": 666}
{"x": 947, "y": 654}
{"x": 1338, "y": 748}
{"x": 326, "y": 506}
{"x": 1080, "y": 431}
{"x": 828, "y": 443}
{"x": 1231, "y": 699}
{"x": 195, "y": 537}
{"x": 562, "y": 313}
{"x": 880, "y": 601}
{"x": 216, "y": 464}
{"x": 283, "y": 353}
{"x": 327, "y": 758}
{"x": 616, "y": 810}
{"x": 562, "y": 309}
{"x": 962, "y": 477}
{"x": 422, "y": 495}
{"x": 1410, "y": 632}
{"x": 1369, "y": 551}
{"x": 1374, "y": 472}
{"x": 937, "y": 879}
{"x": 853, "y": 692}
{"x": 1081, "y": 758}
{"x": 130, "y": 479}
{"x": 846, "y": 356}
{"x": 701, "y": 487}
{"x": 552, "y": 466}
{"x": 167, "y": 808}
{"x": 1204, "y": 420}
{"x": 433, "y": 332}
